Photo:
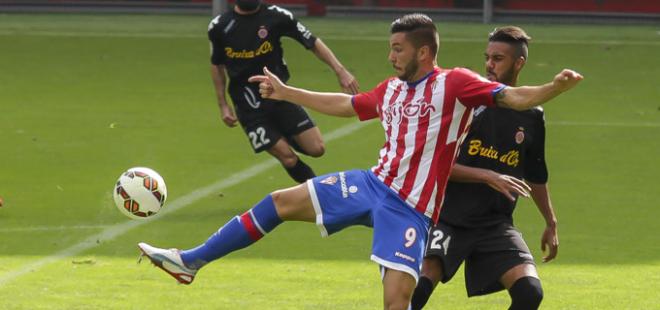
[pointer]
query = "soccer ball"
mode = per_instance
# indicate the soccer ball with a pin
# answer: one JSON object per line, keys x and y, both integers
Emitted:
{"x": 140, "y": 193}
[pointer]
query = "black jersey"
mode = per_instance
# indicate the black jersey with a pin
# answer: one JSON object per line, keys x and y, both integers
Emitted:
{"x": 247, "y": 43}
{"x": 503, "y": 140}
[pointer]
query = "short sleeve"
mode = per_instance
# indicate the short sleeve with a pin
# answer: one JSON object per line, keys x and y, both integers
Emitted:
{"x": 471, "y": 89}
{"x": 367, "y": 104}
{"x": 218, "y": 56}
{"x": 536, "y": 170}
{"x": 292, "y": 28}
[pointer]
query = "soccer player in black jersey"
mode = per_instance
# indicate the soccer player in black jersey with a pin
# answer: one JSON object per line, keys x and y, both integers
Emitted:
{"x": 476, "y": 224}
{"x": 243, "y": 42}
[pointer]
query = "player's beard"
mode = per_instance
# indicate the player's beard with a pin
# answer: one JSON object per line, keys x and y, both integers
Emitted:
{"x": 410, "y": 70}
{"x": 505, "y": 77}
{"x": 248, "y": 5}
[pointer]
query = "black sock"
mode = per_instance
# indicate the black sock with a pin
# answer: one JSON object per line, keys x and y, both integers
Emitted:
{"x": 422, "y": 293}
{"x": 526, "y": 293}
{"x": 300, "y": 172}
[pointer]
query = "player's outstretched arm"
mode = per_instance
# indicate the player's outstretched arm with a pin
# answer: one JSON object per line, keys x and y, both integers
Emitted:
{"x": 550, "y": 238}
{"x": 347, "y": 81}
{"x": 336, "y": 104}
{"x": 526, "y": 97}
{"x": 505, "y": 184}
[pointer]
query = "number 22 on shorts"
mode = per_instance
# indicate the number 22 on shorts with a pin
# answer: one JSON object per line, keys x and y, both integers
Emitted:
{"x": 258, "y": 137}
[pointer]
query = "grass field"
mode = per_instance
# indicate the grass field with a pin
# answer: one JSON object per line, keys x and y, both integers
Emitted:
{"x": 83, "y": 97}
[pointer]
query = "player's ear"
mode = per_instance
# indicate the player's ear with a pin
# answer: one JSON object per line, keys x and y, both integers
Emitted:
{"x": 520, "y": 63}
{"x": 424, "y": 52}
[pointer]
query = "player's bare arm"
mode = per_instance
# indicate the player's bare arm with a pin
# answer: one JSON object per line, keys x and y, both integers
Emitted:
{"x": 347, "y": 81}
{"x": 218, "y": 74}
{"x": 526, "y": 97}
{"x": 550, "y": 238}
{"x": 505, "y": 184}
{"x": 335, "y": 104}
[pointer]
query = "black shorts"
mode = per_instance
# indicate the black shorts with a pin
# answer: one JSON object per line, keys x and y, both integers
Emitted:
{"x": 266, "y": 121}
{"x": 488, "y": 253}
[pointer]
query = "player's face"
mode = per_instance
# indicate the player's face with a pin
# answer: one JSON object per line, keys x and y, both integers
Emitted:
{"x": 501, "y": 62}
{"x": 403, "y": 56}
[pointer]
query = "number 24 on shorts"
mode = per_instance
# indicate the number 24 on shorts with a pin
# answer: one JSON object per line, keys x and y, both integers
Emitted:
{"x": 437, "y": 242}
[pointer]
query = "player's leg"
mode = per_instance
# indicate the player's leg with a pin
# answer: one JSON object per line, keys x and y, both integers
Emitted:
{"x": 524, "y": 286}
{"x": 310, "y": 142}
{"x": 398, "y": 287}
{"x": 299, "y": 129}
{"x": 446, "y": 250}
{"x": 332, "y": 201}
{"x": 290, "y": 204}
{"x": 502, "y": 260}
{"x": 241, "y": 231}
{"x": 294, "y": 166}
{"x": 429, "y": 278}
{"x": 398, "y": 246}
{"x": 260, "y": 121}
{"x": 301, "y": 134}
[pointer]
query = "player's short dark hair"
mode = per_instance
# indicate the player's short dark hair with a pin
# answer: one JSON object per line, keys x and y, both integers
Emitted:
{"x": 420, "y": 30}
{"x": 514, "y": 36}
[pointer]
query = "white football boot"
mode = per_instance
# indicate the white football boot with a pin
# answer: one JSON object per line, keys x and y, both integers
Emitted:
{"x": 170, "y": 261}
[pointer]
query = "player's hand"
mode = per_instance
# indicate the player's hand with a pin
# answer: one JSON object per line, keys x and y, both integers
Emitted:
{"x": 348, "y": 82}
{"x": 270, "y": 86}
{"x": 566, "y": 79}
{"x": 508, "y": 185}
{"x": 228, "y": 116}
{"x": 550, "y": 240}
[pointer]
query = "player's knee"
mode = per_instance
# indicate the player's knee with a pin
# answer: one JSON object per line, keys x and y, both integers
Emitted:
{"x": 397, "y": 304}
{"x": 294, "y": 204}
{"x": 432, "y": 269}
{"x": 526, "y": 293}
{"x": 281, "y": 202}
{"x": 288, "y": 160}
{"x": 317, "y": 150}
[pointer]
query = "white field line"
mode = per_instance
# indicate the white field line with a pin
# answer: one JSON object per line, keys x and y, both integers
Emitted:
{"x": 113, "y": 231}
{"x": 202, "y": 35}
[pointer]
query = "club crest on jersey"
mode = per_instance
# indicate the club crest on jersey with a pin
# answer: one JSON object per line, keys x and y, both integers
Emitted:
{"x": 262, "y": 32}
{"x": 520, "y": 135}
{"x": 396, "y": 112}
{"x": 331, "y": 180}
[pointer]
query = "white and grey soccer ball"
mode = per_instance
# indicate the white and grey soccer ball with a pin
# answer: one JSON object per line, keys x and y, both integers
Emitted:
{"x": 140, "y": 193}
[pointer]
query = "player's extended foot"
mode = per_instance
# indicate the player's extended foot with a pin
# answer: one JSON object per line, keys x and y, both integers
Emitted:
{"x": 170, "y": 261}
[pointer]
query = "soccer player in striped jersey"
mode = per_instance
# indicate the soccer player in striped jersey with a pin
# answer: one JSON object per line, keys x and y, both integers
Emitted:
{"x": 424, "y": 112}
{"x": 476, "y": 225}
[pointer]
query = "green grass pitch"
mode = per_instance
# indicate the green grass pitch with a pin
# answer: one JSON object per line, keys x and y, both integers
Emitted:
{"x": 83, "y": 97}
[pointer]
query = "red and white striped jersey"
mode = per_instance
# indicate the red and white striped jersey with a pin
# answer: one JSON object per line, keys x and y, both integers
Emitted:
{"x": 424, "y": 124}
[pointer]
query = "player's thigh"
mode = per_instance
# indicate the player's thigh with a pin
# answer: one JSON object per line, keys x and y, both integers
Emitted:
{"x": 516, "y": 273}
{"x": 398, "y": 287}
{"x": 283, "y": 152}
{"x": 290, "y": 119}
{"x": 311, "y": 142}
{"x": 294, "y": 204}
{"x": 342, "y": 199}
{"x": 261, "y": 134}
{"x": 399, "y": 235}
{"x": 500, "y": 249}
{"x": 446, "y": 249}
